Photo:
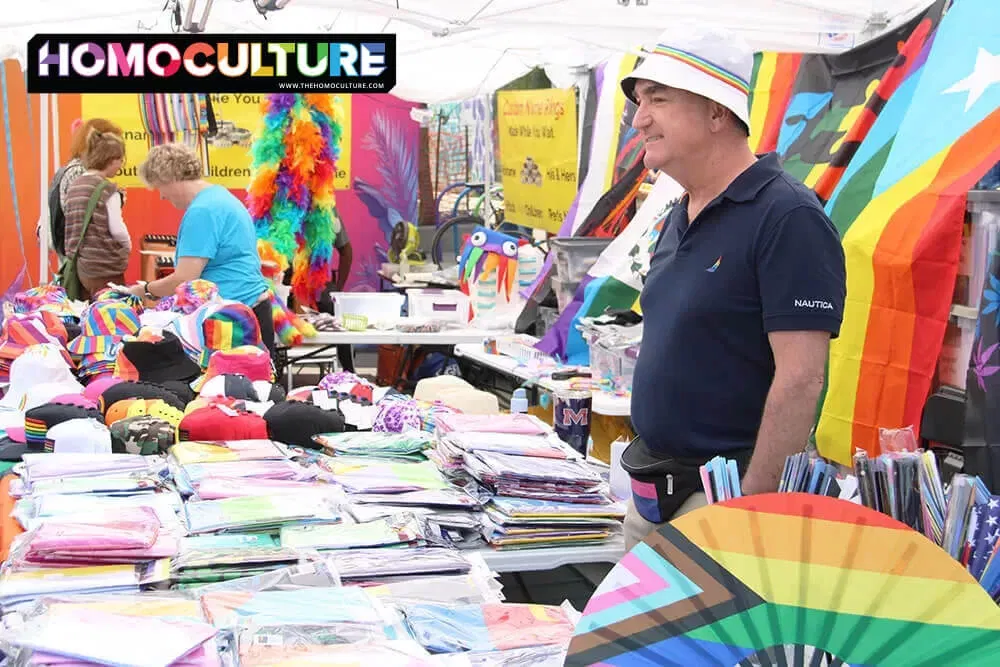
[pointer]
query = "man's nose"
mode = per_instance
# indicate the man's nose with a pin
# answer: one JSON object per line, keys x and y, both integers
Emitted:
{"x": 640, "y": 119}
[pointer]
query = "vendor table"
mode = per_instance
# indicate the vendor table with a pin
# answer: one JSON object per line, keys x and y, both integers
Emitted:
{"x": 604, "y": 403}
{"x": 321, "y": 348}
{"x": 392, "y": 337}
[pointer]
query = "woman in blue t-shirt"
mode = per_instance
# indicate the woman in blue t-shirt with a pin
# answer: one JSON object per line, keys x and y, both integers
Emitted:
{"x": 216, "y": 240}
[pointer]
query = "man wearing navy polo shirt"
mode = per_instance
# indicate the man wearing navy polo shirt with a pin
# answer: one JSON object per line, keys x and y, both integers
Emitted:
{"x": 745, "y": 288}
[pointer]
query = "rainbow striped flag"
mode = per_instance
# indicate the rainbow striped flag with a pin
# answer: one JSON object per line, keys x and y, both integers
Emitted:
{"x": 900, "y": 207}
{"x": 813, "y": 108}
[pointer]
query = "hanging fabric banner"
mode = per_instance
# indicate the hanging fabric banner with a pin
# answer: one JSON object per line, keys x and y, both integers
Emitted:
{"x": 538, "y": 155}
{"x": 238, "y": 118}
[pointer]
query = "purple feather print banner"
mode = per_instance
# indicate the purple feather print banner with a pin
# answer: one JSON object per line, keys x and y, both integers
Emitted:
{"x": 981, "y": 446}
{"x": 384, "y": 188}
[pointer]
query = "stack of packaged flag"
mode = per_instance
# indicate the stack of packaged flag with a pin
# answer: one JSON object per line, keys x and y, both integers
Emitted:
{"x": 720, "y": 480}
{"x": 804, "y": 473}
{"x": 907, "y": 486}
{"x": 525, "y": 522}
{"x": 542, "y": 478}
{"x": 205, "y": 559}
{"x": 94, "y": 523}
{"x": 124, "y": 535}
{"x": 537, "y": 491}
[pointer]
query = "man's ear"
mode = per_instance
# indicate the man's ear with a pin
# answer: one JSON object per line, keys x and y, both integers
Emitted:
{"x": 718, "y": 115}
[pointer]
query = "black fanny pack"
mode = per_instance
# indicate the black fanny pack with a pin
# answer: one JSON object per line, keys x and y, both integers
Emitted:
{"x": 661, "y": 484}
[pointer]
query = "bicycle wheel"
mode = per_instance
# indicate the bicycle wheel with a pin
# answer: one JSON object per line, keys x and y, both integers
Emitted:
{"x": 446, "y": 227}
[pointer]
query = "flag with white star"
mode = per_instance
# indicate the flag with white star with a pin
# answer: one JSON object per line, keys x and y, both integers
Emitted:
{"x": 900, "y": 208}
{"x": 987, "y": 533}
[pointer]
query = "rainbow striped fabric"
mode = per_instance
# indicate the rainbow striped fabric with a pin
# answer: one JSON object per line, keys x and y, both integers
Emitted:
{"x": 900, "y": 207}
{"x": 725, "y": 583}
{"x": 864, "y": 131}
{"x": 704, "y": 66}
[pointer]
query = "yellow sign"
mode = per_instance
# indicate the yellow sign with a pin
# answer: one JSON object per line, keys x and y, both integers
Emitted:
{"x": 239, "y": 119}
{"x": 538, "y": 155}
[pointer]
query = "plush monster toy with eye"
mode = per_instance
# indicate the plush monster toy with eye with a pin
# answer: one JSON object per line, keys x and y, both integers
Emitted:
{"x": 486, "y": 251}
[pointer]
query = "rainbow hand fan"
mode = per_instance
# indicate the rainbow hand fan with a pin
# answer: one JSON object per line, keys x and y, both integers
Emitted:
{"x": 787, "y": 579}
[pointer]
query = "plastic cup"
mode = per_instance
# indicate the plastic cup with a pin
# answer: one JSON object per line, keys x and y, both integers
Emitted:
{"x": 572, "y": 409}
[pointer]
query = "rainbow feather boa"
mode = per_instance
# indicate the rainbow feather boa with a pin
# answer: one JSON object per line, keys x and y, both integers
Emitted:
{"x": 289, "y": 328}
{"x": 291, "y": 192}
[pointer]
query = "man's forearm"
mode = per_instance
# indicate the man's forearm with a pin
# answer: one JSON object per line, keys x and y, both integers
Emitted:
{"x": 789, "y": 413}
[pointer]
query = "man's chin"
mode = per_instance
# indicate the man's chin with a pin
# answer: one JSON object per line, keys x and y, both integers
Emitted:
{"x": 654, "y": 161}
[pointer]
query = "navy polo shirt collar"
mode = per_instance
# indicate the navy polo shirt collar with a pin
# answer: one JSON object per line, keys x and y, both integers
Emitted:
{"x": 747, "y": 185}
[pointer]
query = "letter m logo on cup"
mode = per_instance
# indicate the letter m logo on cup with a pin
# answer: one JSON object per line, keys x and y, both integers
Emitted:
{"x": 578, "y": 417}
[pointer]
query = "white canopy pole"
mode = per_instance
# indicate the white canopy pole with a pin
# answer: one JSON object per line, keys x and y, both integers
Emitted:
{"x": 56, "y": 145}
{"x": 43, "y": 196}
{"x": 489, "y": 213}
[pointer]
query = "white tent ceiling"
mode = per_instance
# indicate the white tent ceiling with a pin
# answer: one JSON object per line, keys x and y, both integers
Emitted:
{"x": 456, "y": 49}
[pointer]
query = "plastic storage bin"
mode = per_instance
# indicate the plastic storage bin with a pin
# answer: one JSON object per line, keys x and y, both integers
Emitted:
{"x": 377, "y": 306}
{"x": 564, "y": 292}
{"x": 574, "y": 256}
{"x": 443, "y": 305}
{"x": 627, "y": 359}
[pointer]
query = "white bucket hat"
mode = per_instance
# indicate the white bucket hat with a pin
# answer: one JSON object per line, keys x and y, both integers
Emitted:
{"x": 704, "y": 61}
{"x": 37, "y": 376}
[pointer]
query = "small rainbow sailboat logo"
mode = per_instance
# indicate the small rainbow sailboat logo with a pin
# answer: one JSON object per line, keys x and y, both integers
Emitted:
{"x": 715, "y": 266}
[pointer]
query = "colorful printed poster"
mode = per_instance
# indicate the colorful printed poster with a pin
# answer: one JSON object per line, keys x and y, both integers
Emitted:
{"x": 238, "y": 118}
{"x": 538, "y": 155}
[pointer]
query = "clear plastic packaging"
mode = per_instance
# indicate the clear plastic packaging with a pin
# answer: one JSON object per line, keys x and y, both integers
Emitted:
{"x": 308, "y": 574}
{"x": 399, "y": 529}
{"x": 535, "y": 656}
{"x": 472, "y": 588}
{"x": 98, "y": 637}
{"x": 898, "y": 439}
{"x": 373, "y": 564}
{"x": 488, "y": 627}
{"x": 266, "y": 648}
{"x": 129, "y": 528}
{"x": 259, "y": 512}
{"x": 350, "y": 609}
{"x": 362, "y": 443}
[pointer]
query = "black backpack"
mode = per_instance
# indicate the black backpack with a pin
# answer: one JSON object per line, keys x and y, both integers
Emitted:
{"x": 57, "y": 219}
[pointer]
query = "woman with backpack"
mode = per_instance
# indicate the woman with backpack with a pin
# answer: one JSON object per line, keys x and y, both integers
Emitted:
{"x": 65, "y": 176}
{"x": 96, "y": 235}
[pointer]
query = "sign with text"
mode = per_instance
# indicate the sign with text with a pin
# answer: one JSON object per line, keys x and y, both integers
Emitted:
{"x": 238, "y": 117}
{"x": 538, "y": 155}
{"x": 177, "y": 63}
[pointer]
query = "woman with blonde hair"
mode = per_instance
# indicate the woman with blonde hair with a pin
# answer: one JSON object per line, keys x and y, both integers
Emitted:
{"x": 216, "y": 240}
{"x": 101, "y": 244}
{"x": 68, "y": 173}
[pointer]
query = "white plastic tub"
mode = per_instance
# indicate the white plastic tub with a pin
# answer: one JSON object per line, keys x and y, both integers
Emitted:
{"x": 377, "y": 306}
{"x": 443, "y": 305}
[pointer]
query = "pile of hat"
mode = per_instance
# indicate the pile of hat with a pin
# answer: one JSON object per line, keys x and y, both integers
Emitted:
{"x": 131, "y": 380}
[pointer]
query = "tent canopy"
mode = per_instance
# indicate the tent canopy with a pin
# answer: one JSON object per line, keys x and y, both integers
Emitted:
{"x": 456, "y": 49}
